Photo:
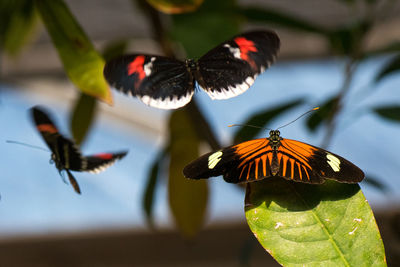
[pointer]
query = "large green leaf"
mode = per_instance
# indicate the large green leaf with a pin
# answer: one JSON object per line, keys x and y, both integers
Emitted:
{"x": 17, "y": 23}
{"x": 82, "y": 117}
{"x": 212, "y": 23}
{"x": 314, "y": 225}
{"x": 175, "y": 6}
{"x": 261, "y": 119}
{"x": 81, "y": 61}
{"x": 389, "y": 112}
{"x": 187, "y": 198}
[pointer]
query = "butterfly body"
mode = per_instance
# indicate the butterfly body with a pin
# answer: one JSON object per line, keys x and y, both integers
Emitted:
{"x": 262, "y": 158}
{"x": 64, "y": 152}
{"x": 224, "y": 72}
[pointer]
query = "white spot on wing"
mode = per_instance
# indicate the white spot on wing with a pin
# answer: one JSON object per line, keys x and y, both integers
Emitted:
{"x": 334, "y": 162}
{"x": 231, "y": 91}
{"x": 148, "y": 66}
{"x": 234, "y": 50}
{"x": 167, "y": 103}
{"x": 213, "y": 159}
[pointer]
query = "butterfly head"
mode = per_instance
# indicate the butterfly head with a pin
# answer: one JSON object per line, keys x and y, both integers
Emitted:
{"x": 274, "y": 138}
{"x": 55, "y": 160}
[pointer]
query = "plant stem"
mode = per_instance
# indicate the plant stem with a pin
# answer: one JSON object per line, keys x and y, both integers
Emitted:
{"x": 350, "y": 67}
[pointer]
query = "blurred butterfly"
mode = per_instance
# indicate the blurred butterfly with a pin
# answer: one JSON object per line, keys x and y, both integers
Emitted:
{"x": 65, "y": 154}
{"x": 224, "y": 72}
{"x": 262, "y": 158}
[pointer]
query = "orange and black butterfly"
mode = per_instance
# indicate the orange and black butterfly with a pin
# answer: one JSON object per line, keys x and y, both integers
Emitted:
{"x": 65, "y": 154}
{"x": 262, "y": 158}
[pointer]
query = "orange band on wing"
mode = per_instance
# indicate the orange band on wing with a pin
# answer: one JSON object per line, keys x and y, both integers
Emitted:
{"x": 48, "y": 128}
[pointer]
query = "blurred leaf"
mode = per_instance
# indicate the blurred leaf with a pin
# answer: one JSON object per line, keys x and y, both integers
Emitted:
{"x": 115, "y": 49}
{"x": 187, "y": 198}
{"x": 152, "y": 178}
{"x": 349, "y": 39}
{"x": 17, "y": 23}
{"x": 314, "y": 225}
{"x": 390, "y": 48}
{"x": 213, "y": 23}
{"x": 260, "y": 14}
{"x": 82, "y": 117}
{"x": 393, "y": 67}
{"x": 389, "y": 112}
{"x": 81, "y": 61}
{"x": 374, "y": 182}
{"x": 261, "y": 119}
{"x": 322, "y": 114}
{"x": 175, "y": 6}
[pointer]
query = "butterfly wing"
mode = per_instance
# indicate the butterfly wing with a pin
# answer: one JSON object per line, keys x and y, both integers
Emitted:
{"x": 246, "y": 162}
{"x": 231, "y": 68}
{"x": 302, "y": 162}
{"x": 73, "y": 182}
{"x": 99, "y": 162}
{"x": 159, "y": 82}
{"x": 66, "y": 154}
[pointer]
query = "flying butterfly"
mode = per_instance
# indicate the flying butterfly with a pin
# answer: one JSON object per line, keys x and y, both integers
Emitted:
{"x": 65, "y": 154}
{"x": 224, "y": 72}
{"x": 263, "y": 158}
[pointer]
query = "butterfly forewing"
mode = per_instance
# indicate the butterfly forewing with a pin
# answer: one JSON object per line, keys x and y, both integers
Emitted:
{"x": 231, "y": 68}
{"x": 99, "y": 162}
{"x": 158, "y": 81}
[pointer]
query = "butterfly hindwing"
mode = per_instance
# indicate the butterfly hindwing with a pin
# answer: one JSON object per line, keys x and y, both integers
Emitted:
{"x": 157, "y": 81}
{"x": 231, "y": 68}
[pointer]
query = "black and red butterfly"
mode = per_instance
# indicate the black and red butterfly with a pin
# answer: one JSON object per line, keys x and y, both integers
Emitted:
{"x": 262, "y": 158}
{"x": 224, "y": 72}
{"x": 66, "y": 154}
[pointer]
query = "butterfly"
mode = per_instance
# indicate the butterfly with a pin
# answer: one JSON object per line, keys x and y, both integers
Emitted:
{"x": 224, "y": 72}
{"x": 65, "y": 154}
{"x": 263, "y": 158}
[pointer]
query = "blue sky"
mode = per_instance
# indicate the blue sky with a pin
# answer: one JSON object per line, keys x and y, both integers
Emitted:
{"x": 35, "y": 200}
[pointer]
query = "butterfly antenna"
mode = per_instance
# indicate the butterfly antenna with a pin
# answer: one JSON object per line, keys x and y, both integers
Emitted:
{"x": 28, "y": 145}
{"x": 302, "y": 115}
{"x": 249, "y": 125}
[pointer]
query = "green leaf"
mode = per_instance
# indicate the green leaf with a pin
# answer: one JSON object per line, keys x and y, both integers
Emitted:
{"x": 175, "y": 6}
{"x": 200, "y": 27}
{"x": 322, "y": 114}
{"x": 187, "y": 198}
{"x": 314, "y": 225}
{"x": 260, "y": 14}
{"x": 82, "y": 63}
{"x": 393, "y": 67}
{"x": 261, "y": 119}
{"x": 152, "y": 179}
{"x": 18, "y": 21}
{"x": 389, "y": 112}
{"x": 82, "y": 117}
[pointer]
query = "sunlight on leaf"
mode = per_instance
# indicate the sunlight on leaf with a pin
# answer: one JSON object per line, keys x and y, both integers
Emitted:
{"x": 175, "y": 6}
{"x": 187, "y": 198}
{"x": 82, "y": 117}
{"x": 81, "y": 61}
{"x": 314, "y": 225}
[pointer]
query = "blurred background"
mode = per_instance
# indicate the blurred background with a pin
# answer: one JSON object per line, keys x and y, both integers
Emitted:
{"x": 341, "y": 55}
